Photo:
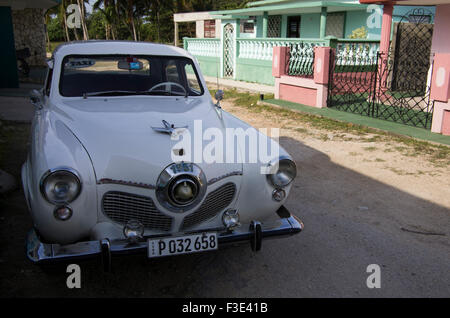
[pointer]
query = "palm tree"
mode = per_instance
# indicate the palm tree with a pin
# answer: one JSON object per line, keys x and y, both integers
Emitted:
{"x": 109, "y": 14}
{"x": 127, "y": 9}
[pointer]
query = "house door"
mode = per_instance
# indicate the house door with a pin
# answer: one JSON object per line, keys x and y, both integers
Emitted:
{"x": 293, "y": 27}
{"x": 228, "y": 51}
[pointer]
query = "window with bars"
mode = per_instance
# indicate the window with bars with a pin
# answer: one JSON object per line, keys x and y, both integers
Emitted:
{"x": 210, "y": 29}
{"x": 274, "y": 26}
{"x": 248, "y": 26}
{"x": 335, "y": 24}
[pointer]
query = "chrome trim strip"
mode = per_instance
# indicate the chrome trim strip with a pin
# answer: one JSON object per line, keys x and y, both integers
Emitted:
{"x": 217, "y": 179}
{"x": 126, "y": 183}
{"x": 39, "y": 252}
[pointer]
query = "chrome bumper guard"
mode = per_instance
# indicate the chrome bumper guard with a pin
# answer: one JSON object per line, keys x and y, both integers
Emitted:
{"x": 40, "y": 253}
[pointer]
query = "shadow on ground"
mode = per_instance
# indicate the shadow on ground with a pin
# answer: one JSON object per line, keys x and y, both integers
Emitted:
{"x": 351, "y": 221}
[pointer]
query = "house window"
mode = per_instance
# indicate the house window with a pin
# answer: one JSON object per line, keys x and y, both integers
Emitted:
{"x": 335, "y": 24}
{"x": 248, "y": 26}
{"x": 210, "y": 29}
{"x": 274, "y": 26}
{"x": 293, "y": 30}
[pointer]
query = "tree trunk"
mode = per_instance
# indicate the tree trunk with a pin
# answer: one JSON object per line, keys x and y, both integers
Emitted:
{"x": 83, "y": 20}
{"x": 134, "y": 29}
{"x": 159, "y": 29}
{"x": 66, "y": 29}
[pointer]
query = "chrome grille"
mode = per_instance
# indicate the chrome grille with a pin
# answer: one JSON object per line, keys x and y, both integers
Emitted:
{"x": 214, "y": 203}
{"x": 122, "y": 207}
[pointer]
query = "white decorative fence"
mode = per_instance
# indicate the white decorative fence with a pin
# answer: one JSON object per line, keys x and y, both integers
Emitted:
{"x": 203, "y": 47}
{"x": 357, "y": 52}
{"x": 301, "y": 57}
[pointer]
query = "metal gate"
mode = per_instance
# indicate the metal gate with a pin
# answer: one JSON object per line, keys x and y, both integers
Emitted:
{"x": 228, "y": 50}
{"x": 395, "y": 87}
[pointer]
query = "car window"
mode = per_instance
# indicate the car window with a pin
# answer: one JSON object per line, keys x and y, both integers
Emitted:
{"x": 114, "y": 75}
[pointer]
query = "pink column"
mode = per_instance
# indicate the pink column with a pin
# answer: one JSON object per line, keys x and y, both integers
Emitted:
{"x": 385, "y": 43}
{"x": 440, "y": 93}
{"x": 321, "y": 64}
{"x": 440, "y": 84}
{"x": 280, "y": 60}
{"x": 386, "y": 26}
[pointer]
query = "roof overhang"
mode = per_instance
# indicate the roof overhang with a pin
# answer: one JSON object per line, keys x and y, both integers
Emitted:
{"x": 29, "y": 4}
{"x": 192, "y": 16}
{"x": 294, "y": 7}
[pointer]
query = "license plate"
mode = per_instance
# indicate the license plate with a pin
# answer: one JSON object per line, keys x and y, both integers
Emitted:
{"x": 182, "y": 245}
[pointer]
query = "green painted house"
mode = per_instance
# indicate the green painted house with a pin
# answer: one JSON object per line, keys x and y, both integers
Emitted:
{"x": 238, "y": 43}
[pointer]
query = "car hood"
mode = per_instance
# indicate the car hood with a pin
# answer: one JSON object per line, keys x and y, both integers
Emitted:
{"x": 118, "y": 136}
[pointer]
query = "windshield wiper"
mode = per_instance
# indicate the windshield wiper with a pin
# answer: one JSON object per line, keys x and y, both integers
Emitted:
{"x": 112, "y": 93}
{"x": 102, "y": 93}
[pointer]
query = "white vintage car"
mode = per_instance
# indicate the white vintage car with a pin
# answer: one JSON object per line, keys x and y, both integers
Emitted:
{"x": 107, "y": 171}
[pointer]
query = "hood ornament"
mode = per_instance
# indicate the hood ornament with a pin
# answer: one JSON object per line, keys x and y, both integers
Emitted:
{"x": 168, "y": 128}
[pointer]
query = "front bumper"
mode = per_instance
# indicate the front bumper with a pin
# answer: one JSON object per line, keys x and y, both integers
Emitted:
{"x": 40, "y": 253}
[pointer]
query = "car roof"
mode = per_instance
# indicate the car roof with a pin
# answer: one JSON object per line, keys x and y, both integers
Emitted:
{"x": 118, "y": 47}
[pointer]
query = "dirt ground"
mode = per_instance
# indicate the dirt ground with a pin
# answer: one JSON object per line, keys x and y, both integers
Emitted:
{"x": 372, "y": 155}
{"x": 365, "y": 198}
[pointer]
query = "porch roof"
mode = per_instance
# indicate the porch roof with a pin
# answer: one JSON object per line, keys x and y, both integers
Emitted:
{"x": 285, "y": 7}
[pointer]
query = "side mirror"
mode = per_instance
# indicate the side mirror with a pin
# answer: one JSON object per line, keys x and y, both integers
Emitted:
{"x": 36, "y": 98}
{"x": 219, "y": 95}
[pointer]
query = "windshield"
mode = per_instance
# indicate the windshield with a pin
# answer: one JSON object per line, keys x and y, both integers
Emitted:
{"x": 115, "y": 75}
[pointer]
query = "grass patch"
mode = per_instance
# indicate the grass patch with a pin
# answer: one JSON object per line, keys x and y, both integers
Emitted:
{"x": 370, "y": 148}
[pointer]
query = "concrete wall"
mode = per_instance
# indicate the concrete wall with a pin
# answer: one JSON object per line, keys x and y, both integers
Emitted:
{"x": 210, "y": 66}
{"x": 29, "y": 31}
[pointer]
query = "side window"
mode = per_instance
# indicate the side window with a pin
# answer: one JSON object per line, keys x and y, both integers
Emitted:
{"x": 192, "y": 81}
{"x": 48, "y": 82}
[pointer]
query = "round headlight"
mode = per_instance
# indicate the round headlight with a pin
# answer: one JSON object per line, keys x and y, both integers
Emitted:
{"x": 283, "y": 174}
{"x": 60, "y": 186}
